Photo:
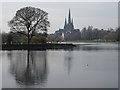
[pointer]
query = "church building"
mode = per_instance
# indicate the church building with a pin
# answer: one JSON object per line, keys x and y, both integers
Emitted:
{"x": 68, "y": 32}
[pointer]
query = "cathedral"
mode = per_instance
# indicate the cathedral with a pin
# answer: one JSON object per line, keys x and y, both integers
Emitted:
{"x": 68, "y": 32}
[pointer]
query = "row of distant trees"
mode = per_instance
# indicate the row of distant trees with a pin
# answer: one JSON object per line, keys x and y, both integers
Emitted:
{"x": 17, "y": 38}
{"x": 89, "y": 33}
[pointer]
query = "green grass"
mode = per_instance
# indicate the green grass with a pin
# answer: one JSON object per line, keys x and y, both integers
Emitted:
{"x": 93, "y": 41}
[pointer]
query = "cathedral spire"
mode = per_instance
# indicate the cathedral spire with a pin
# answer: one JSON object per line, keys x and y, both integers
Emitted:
{"x": 69, "y": 17}
{"x": 65, "y": 23}
{"x": 72, "y": 20}
{"x": 72, "y": 24}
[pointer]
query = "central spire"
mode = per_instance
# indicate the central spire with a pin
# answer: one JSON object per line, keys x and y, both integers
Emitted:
{"x": 69, "y": 17}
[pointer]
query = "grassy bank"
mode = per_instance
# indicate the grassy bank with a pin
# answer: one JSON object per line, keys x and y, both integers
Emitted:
{"x": 93, "y": 41}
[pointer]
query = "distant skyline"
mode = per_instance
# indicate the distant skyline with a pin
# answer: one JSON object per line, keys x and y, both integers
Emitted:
{"x": 97, "y": 14}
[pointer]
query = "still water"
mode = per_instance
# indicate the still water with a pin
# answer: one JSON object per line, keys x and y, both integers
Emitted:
{"x": 86, "y": 66}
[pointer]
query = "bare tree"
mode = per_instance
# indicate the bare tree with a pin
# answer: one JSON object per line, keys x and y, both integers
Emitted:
{"x": 29, "y": 20}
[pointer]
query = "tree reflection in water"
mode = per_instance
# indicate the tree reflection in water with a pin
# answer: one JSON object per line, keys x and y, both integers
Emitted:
{"x": 29, "y": 69}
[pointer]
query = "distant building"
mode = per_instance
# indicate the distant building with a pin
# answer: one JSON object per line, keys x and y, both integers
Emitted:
{"x": 68, "y": 32}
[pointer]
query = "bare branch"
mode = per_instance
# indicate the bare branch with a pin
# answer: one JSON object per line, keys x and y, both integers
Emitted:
{"x": 29, "y": 20}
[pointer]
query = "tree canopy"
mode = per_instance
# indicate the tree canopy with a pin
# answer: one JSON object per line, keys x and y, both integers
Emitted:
{"x": 28, "y": 21}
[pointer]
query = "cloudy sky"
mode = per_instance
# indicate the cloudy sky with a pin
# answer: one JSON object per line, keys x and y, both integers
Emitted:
{"x": 97, "y": 14}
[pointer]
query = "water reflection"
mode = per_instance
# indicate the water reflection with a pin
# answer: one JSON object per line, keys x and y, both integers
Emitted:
{"x": 68, "y": 61}
{"x": 29, "y": 68}
{"x": 96, "y": 47}
{"x": 67, "y": 68}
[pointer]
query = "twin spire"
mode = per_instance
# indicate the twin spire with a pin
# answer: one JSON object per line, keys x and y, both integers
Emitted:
{"x": 69, "y": 19}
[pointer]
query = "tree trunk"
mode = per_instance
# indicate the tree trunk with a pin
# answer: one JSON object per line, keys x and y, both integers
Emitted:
{"x": 28, "y": 41}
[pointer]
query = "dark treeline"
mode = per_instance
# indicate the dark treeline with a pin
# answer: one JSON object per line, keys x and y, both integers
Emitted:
{"x": 17, "y": 38}
{"x": 89, "y": 33}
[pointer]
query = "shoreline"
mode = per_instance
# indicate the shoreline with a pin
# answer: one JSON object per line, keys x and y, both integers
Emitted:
{"x": 92, "y": 41}
{"x": 37, "y": 46}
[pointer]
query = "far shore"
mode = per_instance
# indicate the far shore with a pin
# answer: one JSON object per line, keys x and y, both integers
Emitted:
{"x": 92, "y": 41}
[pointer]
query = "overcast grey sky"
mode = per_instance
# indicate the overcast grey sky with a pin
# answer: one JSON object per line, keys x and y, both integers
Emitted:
{"x": 97, "y": 14}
